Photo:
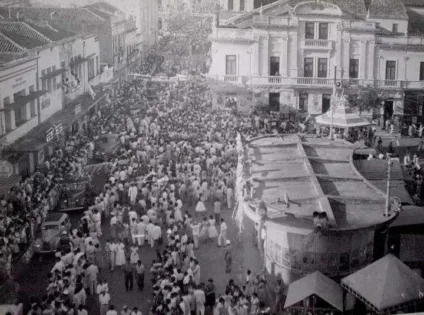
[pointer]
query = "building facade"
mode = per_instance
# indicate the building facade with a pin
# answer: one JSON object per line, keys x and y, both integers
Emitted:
{"x": 294, "y": 51}
{"x": 149, "y": 23}
{"x": 18, "y": 82}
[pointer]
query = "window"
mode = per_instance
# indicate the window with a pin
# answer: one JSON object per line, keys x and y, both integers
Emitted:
{"x": 308, "y": 67}
{"x": 44, "y": 85}
{"x": 421, "y": 71}
{"x": 49, "y": 85}
{"x": 309, "y": 30}
{"x": 323, "y": 31}
{"x": 241, "y": 5}
{"x": 322, "y": 67}
{"x": 54, "y": 83}
{"x": 230, "y": 5}
{"x": 353, "y": 68}
{"x": 303, "y": 102}
{"x": 395, "y": 28}
{"x": 97, "y": 65}
{"x": 230, "y": 65}
{"x": 49, "y": 69}
{"x": 390, "y": 70}
{"x": 377, "y": 25}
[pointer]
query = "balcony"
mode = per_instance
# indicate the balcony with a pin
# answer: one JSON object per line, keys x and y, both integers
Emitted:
{"x": 317, "y": 44}
{"x": 315, "y": 82}
{"x": 72, "y": 93}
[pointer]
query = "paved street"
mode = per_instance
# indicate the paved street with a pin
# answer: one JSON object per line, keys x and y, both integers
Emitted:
{"x": 33, "y": 277}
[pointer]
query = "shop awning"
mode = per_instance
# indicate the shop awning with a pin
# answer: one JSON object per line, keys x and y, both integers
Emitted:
{"x": 315, "y": 284}
{"x": 7, "y": 183}
{"x": 343, "y": 117}
{"x": 36, "y": 139}
{"x": 385, "y": 284}
{"x": 22, "y": 100}
{"x": 53, "y": 73}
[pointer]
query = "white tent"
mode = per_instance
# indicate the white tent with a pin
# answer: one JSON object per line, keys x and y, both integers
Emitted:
{"x": 343, "y": 117}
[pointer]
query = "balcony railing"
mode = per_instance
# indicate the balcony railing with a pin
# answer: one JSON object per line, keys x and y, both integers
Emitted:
{"x": 317, "y": 44}
{"x": 316, "y": 82}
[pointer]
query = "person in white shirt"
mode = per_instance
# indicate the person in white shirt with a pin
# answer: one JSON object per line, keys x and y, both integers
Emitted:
{"x": 156, "y": 234}
{"x": 141, "y": 233}
{"x": 132, "y": 193}
{"x": 92, "y": 272}
{"x": 199, "y": 297}
{"x": 133, "y": 230}
{"x": 97, "y": 219}
{"x": 104, "y": 299}
{"x": 59, "y": 265}
{"x": 195, "y": 227}
{"x": 222, "y": 238}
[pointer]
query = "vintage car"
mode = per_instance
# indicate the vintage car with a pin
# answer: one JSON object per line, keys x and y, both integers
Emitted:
{"x": 74, "y": 195}
{"x": 55, "y": 227}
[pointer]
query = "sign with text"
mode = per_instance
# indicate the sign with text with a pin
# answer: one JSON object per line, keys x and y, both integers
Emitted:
{"x": 58, "y": 129}
{"x": 49, "y": 134}
{"x": 77, "y": 109}
{"x": 45, "y": 103}
{"x": 6, "y": 169}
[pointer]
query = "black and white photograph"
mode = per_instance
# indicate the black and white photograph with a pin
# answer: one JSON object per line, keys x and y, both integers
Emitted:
{"x": 211, "y": 157}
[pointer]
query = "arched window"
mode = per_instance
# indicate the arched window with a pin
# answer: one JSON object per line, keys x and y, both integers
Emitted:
{"x": 230, "y": 5}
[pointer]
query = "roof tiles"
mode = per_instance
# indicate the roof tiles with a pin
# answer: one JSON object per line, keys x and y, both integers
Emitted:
{"x": 387, "y": 9}
{"x": 22, "y": 34}
{"x": 8, "y": 46}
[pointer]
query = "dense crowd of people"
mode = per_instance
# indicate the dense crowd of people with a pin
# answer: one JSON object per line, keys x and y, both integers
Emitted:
{"x": 172, "y": 176}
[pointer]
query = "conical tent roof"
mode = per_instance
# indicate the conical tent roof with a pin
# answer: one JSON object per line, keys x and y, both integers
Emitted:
{"x": 318, "y": 284}
{"x": 343, "y": 117}
{"x": 386, "y": 283}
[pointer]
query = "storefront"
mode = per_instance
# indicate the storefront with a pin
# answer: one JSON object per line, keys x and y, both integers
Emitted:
{"x": 414, "y": 108}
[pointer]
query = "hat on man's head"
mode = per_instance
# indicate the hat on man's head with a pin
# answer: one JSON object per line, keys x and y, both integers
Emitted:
{"x": 228, "y": 242}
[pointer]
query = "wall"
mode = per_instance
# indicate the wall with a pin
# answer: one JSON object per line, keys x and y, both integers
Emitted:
{"x": 51, "y": 102}
{"x": 19, "y": 76}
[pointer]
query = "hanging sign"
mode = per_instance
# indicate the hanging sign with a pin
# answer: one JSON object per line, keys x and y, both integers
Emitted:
{"x": 6, "y": 169}
{"x": 49, "y": 134}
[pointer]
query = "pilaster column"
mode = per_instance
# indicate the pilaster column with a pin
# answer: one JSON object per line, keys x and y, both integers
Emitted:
{"x": 371, "y": 58}
{"x": 403, "y": 71}
{"x": 11, "y": 120}
{"x": 255, "y": 57}
{"x": 283, "y": 57}
{"x": 27, "y": 111}
{"x": 294, "y": 55}
{"x": 339, "y": 50}
{"x": 346, "y": 58}
{"x": 265, "y": 56}
{"x": 236, "y": 5}
{"x": 363, "y": 59}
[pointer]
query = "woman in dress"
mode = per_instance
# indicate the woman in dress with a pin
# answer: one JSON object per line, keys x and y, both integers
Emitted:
{"x": 200, "y": 206}
{"x": 120, "y": 254}
{"x": 134, "y": 257}
{"x": 204, "y": 228}
{"x": 212, "y": 231}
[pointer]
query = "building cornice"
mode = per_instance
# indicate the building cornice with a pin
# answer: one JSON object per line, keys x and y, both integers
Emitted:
{"x": 232, "y": 40}
{"x": 402, "y": 47}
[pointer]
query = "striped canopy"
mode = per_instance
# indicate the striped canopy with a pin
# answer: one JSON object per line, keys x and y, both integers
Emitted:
{"x": 343, "y": 117}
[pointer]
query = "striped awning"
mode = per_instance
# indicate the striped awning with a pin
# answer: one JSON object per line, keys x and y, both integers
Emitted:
{"x": 343, "y": 117}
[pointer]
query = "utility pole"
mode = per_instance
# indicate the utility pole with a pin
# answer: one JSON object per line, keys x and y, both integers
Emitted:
{"x": 332, "y": 103}
{"x": 389, "y": 169}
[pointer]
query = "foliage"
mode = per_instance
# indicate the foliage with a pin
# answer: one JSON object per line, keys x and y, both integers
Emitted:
{"x": 261, "y": 108}
{"x": 366, "y": 98}
{"x": 185, "y": 34}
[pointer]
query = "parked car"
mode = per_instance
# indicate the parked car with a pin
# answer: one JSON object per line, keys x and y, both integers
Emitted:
{"x": 55, "y": 227}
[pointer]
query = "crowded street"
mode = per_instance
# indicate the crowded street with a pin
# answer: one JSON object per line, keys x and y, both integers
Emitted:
{"x": 168, "y": 138}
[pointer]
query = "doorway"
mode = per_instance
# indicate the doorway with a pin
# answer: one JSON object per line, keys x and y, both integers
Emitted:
{"x": 388, "y": 110}
{"x": 326, "y": 102}
{"x": 274, "y": 102}
{"x": 274, "y": 67}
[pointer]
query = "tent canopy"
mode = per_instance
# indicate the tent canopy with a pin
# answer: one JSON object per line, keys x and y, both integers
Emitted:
{"x": 318, "y": 284}
{"x": 343, "y": 117}
{"x": 386, "y": 283}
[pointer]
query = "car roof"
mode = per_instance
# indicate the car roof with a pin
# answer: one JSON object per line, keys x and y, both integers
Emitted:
{"x": 55, "y": 217}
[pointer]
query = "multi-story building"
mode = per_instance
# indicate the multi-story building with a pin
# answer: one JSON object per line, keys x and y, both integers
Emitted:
{"x": 101, "y": 19}
{"x": 149, "y": 23}
{"x": 294, "y": 51}
{"x": 37, "y": 101}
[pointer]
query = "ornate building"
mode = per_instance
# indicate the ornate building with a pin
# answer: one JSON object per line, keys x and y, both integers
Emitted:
{"x": 294, "y": 51}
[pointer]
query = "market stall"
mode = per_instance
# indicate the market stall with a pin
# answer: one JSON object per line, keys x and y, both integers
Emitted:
{"x": 386, "y": 286}
{"x": 315, "y": 294}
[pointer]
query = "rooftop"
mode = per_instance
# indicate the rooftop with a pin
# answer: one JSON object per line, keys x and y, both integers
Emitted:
{"x": 317, "y": 175}
{"x": 22, "y": 34}
{"x": 413, "y": 3}
{"x": 63, "y": 14}
{"x": 52, "y": 33}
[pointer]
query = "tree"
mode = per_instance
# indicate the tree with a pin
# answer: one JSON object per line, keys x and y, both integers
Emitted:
{"x": 367, "y": 98}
